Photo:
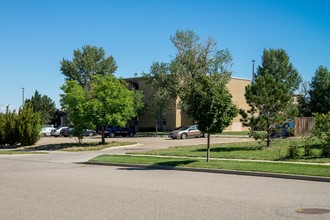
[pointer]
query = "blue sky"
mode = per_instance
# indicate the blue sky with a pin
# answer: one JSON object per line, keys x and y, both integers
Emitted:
{"x": 36, "y": 35}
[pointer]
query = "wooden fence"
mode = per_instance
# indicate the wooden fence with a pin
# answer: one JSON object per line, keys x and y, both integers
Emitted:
{"x": 303, "y": 126}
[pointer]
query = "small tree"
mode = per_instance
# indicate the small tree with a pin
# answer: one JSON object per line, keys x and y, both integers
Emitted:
{"x": 74, "y": 101}
{"x": 270, "y": 96}
{"x": 208, "y": 102}
{"x": 10, "y": 132}
{"x": 110, "y": 102}
{"x": 201, "y": 71}
{"x": 319, "y": 92}
{"x": 321, "y": 130}
{"x": 28, "y": 125}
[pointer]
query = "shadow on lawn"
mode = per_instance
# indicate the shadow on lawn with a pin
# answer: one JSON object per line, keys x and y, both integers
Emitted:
{"x": 53, "y": 147}
{"x": 230, "y": 149}
{"x": 167, "y": 165}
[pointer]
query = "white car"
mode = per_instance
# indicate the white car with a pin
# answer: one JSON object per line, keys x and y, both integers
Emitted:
{"x": 57, "y": 132}
{"x": 46, "y": 131}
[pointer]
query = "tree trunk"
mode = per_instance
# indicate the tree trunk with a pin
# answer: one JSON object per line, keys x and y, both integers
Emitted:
{"x": 102, "y": 134}
{"x": 208, "y": 147}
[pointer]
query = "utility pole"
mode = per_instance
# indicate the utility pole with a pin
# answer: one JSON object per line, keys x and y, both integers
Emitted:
{"x": 23, "y": 96}
{"x": 253, "y": 70}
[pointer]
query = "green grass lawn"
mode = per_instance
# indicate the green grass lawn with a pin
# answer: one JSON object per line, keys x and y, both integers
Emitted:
{"x": 17, "y": 152}
{"x": 270, "y": 167}
{"x": 235, "y": 133}
{"x": 244, "y": 150}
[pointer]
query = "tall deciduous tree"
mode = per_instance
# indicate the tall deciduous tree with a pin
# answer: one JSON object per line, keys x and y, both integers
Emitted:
{"x": 164, "y": 87}
{"x": 44, "y": 105}
{"x": 270, "y": 95}
{"x": 319, "y": 92}
{"x": 108, "y": 101}
{"x": 111, "y": 102}
{"x": 203, "y": 73}
{"x": 87, "y": 62}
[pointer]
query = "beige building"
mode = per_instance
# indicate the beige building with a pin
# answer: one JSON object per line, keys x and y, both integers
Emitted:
{"x": 175, "y": 118}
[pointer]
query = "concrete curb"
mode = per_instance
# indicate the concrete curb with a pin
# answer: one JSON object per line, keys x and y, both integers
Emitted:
{"x": 220, "y": 171}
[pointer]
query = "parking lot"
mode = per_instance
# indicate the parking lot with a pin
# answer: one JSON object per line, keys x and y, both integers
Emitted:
{"x": 146, "y": 143}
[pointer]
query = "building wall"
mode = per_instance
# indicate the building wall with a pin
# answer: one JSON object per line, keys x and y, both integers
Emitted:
{"x": 174, "y": 116}
{"x": 236, "y": 87}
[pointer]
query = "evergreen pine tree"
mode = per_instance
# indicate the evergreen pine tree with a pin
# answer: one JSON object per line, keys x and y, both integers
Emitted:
{"x": 270, "y": 96}
{"x": 10, "y": 133}
{"x": 28, "y": 125}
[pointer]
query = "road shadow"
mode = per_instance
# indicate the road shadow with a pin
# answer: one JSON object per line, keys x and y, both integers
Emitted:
{"x": 167, "y": 165}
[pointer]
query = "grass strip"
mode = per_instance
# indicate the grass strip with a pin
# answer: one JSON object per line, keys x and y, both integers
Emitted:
{"x": 268, "y": 167}
{"x": 9, "y": 152}
{"x": 245, "y": 150}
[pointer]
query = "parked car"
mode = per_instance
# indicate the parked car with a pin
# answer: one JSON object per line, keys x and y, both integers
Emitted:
{"x": 186, "y": 132}
{"x": 67, "y": 132}
{"x": 112, "y": 131}
{"x": 57, "y": 132}
{"x": 89, "y": 132}
{"x": 46, "y": 131}
{"x": 284, "y": 130}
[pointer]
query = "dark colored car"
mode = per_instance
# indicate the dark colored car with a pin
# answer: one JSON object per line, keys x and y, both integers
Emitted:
{"x": 284, "y": 130}
{"x": 112, "y": 131}
{"x": 67, "y": 132}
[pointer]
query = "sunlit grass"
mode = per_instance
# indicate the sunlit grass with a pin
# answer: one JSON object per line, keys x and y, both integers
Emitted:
{"x": 245, "y": 150}
{"x": 269, "y": 167}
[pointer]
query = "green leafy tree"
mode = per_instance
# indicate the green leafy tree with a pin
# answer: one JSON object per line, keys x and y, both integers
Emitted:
{"x": 87, "y": 62}
{"x": 321, "y": 130}
{"x": 304, "y": 101}
{"x": 194, "y": 58}
{"x": 108, "y": 101}
{"x": 164, "y": 86}
{"x": 202, "y": 73}
{"x": 319, "y": 92}
{"x": 74, "y": 101}
{"x": 44, "y": 105}
{"x": 270, "y": 96}
{"x": 208, "y": 101}
{"x": 28, "y": 125}
{"x": 111, "y": 102}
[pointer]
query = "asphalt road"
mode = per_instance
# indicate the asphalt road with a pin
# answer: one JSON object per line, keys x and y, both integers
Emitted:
{"x": 32, "y": 187}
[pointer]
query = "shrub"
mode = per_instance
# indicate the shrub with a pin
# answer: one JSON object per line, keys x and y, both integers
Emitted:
{"x": 2, "y": 129}
{"x": 307, "y": 141}
{"x": 321, "y": 130}
{"x": 28, "y": 125}
{"x": 10, "y": 133}
{"x": 293, "y": 151}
